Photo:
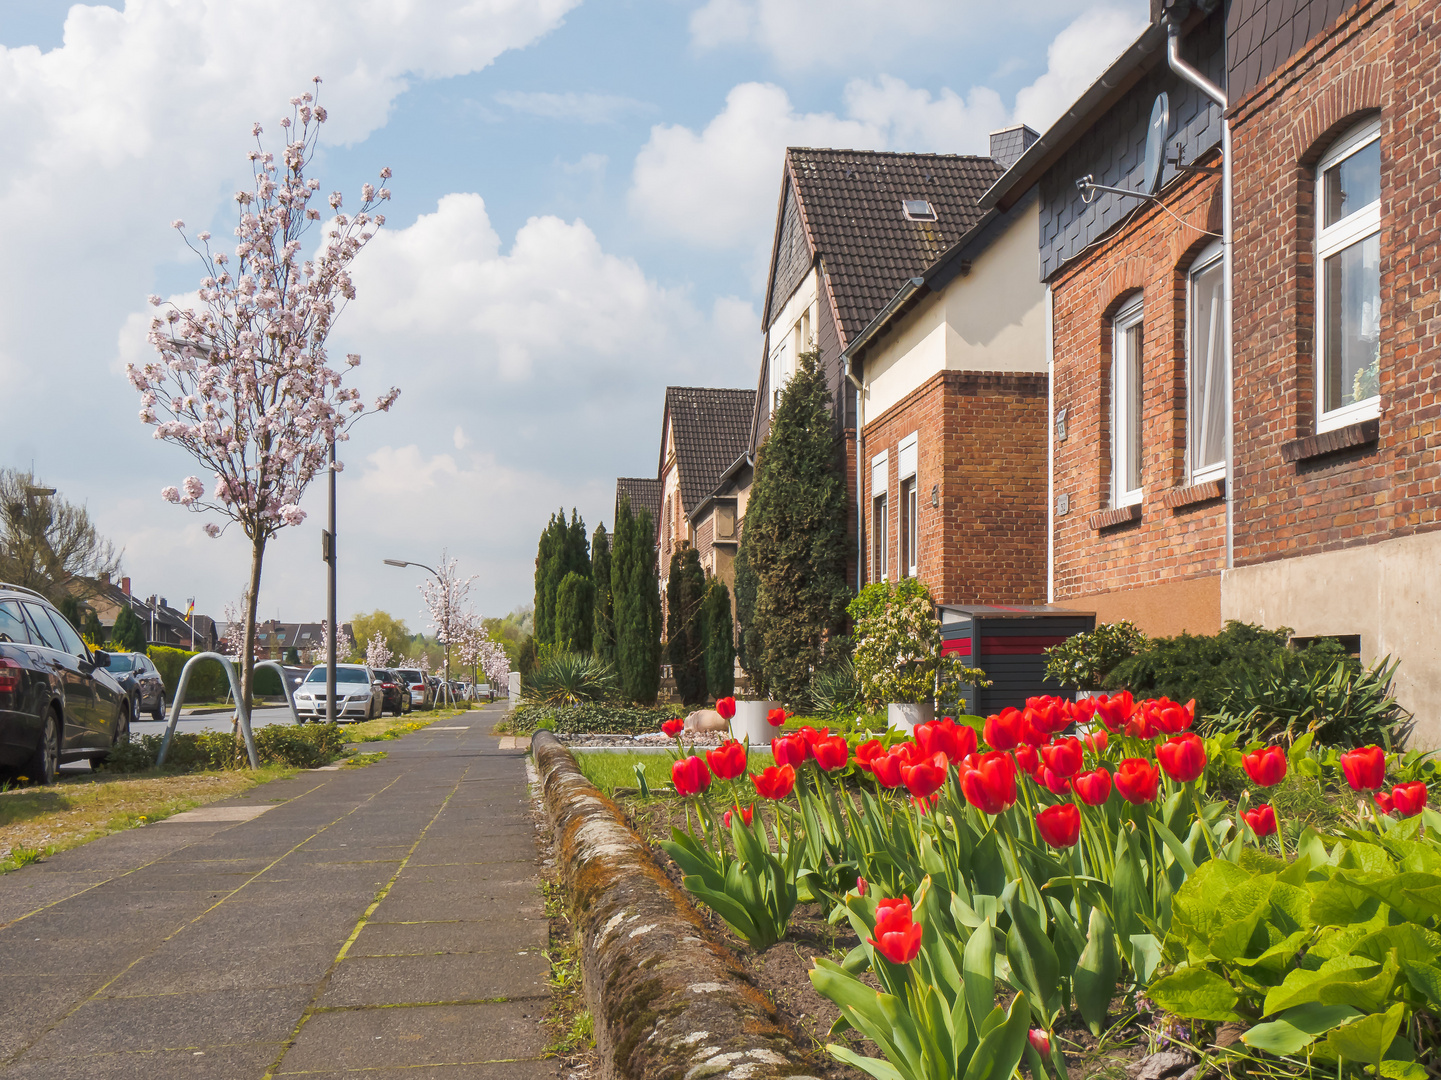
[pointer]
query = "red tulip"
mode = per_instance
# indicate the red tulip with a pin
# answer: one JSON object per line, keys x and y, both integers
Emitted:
{"x": 726, "y": 706}
{"x": 1183, "y": 758}
{"x": 777, "y": 717}
{"x": 1052, "y": 781}
{"x": 1384, "y": 803}
{"x": 1082, "y": 711}
{"x": 886, "y": 768}
{"x": 1409, "y": 799}
{"x": 789, "y": 749}
{"x": 1364, "y": 768}
{"x": 776, "y": 782}
{"x": 860, "y": 886}
{"x": 897, "y": 936}
{"x": 728, "y": 760}
{"x": 1039, "y": 1040}
{"x": 925, "y": 777}
{"x": 1004, "y": 730}
{"x": 1093, "y": 787}
{"x": 811, "y": 735}
{"x": 939, "y": 737}
{"x": 991, "y": 786}
{"x": 1266, "y": 767}
{"x": 1027, "y": 758}
{"x": 908, "y": 752}
{"x": 1114, "y": 711}
{"x": 1060, "y": 825}
{"x": 1097, "y": 741}
{"x": 746, "y": 815}
{"x": 867, "y": 752}
{"x": 690, "y": 776}
{"x": 1137, "y": 780}
{"x": 1047, "y": 715}
{"x": 673, "y": 727}
{"x": 1063, "y": 757}
{"x": 831, "y": 753}
{"x": 1171, "y": 717}
{"x": 1262, "y": 819}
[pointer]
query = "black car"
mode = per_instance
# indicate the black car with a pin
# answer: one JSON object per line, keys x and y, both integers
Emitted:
{"x": 139, "y": 677}
{"x": 57, "y": 701}
{"x": 396, "y": 691}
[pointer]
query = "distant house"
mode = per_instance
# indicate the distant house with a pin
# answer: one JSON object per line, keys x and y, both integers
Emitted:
{"x": 643, "y": 493}
{"x": 164, "y": 625}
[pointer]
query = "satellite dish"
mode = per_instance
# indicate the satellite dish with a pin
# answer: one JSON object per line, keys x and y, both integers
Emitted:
{"x": 1156, "y": 134}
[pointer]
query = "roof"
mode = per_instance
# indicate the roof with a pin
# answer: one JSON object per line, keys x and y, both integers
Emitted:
{"x": 711, "y": 428}
{"x": 850, "y": 202}
{"x": 644, "y": 494}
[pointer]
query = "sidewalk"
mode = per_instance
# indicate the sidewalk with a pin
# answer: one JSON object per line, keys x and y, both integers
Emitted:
{"x": 384, "y": 921}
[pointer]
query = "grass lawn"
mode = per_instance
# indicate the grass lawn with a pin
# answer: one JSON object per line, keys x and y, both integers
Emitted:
{"x": 86, "y": 807}
{"x": 393, "y": 727}
{"x": 610, "y": 770}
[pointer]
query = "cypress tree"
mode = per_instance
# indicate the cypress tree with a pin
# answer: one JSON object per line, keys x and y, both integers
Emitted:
{"x": 603, "y": 635}
{"x": 750, "y": 642}
{"x": 720, "y": 649}
{"x": 69, "y": 606}
{"x": 795, "y": 529}
{"x": 128, "y": 633}
{"x": 546, "y": 555}
{"x": 92, "y": 630}
{"x": 574, "y": 613}
{"x": 577, "y": 549}
{"x": 685, "y": 625}
{"x": 636, "y": 601}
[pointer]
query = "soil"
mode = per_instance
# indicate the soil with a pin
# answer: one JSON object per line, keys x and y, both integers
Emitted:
{"x": 782, "y": 974}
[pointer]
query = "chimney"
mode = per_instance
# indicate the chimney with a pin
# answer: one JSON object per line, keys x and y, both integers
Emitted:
{"x": 164, "y": 602}
{"x": 105, "y": 577}
{"x": 125, "y": 585}
{"x": 1008, "y": 144}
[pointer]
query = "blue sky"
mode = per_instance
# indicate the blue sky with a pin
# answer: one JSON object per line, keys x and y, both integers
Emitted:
{"x": 584, "y": 199}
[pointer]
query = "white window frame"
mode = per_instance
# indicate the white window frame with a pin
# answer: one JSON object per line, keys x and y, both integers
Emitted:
{"x": 1349, "y": 230}
{"x": 880, "y": 503}
{"x": 1209, "y": 258}
{"x": 779, "y": 376}
{"x": 907, "y": 508}
{"x": 1132, "y": 314}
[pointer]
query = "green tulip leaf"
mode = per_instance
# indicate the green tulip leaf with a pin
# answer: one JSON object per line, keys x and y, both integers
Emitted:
{"x": 1001, "y": 1048}
{"x": 978, "y": 973}
{"x": 1097, "y": 972}
{"x": 1366, "y": 1040}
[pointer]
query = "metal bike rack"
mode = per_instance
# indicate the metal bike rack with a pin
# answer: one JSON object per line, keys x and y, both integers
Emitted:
{"x": 241, "y": 710}
{"x": 285, "y": 683}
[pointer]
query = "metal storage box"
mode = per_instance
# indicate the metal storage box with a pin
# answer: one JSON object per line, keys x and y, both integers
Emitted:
{"x": 1008, "y": 644}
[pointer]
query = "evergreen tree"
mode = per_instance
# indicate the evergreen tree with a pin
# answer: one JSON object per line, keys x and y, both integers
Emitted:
{"x": 795, "y": 530}
{"x": 92, "y": 630}
{"x": 525, "y": 658}
{"x": 69, "y": 606}
{"x": 128, "y": 633}
{"x": 546, "y": 556}
{"x": 750, "y": 642}
{"x": 577, "y": 548}
{"x": 603, "y": 635}
{"x": 720, "y": 649}
{"x": 292, "y": 655}
{"x": 636, "y": 601}
{"x": 685, "y": 625}
{"x": 575, "y": 613}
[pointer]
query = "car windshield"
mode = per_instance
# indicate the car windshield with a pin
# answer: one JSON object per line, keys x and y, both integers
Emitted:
{"x": 121, "y": 663}
{"x": 342, "y": 675}
{"x": 408, "y": 675}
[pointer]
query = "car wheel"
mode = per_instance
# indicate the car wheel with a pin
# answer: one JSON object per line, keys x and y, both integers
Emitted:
{"x": 120, "y": 738}
{"x": 44, "y": 763}
{"x": 158, "y": 713}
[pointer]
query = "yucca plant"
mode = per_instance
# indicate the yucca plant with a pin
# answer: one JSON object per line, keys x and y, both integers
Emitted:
{"x": 562, "y": 677}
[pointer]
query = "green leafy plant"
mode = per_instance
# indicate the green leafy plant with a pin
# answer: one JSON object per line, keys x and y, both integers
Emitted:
{"x": 953, "y": 679}
{"x": 898, "y": 643}
{"x": 836, "y": 690}
{"x": 563, "y": 677}
{"x": 1084, "y": 660}
{"x": 593, "y": 718}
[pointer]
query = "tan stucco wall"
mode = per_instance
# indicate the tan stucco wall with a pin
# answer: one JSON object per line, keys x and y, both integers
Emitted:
{"x": 1191, "y": 606}
{"x": 1388, "y": 592}
{"x": 992, "y": 319}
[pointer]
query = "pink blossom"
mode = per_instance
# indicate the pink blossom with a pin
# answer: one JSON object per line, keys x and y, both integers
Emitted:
{"x": 212, "y": 530}
{"x": 292, "y": 514}
{"x": 177, "y": 224}
{"x": 170, "y": 494}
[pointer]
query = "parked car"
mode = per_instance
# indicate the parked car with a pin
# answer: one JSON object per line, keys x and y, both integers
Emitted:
{"x": 419, "y": 698}
{"x": 358, "y": 694}
{"x": 57, "y": 701}
{"x": 396, "y": 693}
{"x": 140, "y": 679}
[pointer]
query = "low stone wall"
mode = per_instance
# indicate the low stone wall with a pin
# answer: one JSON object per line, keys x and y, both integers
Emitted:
{"x": 667, "y": 1001}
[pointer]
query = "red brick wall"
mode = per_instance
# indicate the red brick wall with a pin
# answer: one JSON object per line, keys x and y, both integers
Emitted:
{"x": 1151, "y": 255}
{"x": 982, "y": 438}
{"x": 1379, "y": 56}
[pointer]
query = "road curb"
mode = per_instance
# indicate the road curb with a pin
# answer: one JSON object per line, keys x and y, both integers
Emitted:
{"x": 668, "y": 1003}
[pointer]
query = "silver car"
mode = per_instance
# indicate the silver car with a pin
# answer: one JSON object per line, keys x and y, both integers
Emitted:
{"x": 358, "y": 694}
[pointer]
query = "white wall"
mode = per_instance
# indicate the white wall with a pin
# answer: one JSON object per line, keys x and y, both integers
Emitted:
{"x": 992, "y": 319}
{"x": 799, "y": 308}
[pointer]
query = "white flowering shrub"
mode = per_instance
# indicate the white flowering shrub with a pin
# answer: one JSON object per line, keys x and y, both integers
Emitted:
{"x": 898, "y": 645}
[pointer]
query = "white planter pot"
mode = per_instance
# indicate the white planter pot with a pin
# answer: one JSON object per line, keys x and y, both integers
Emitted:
{"x": 905, "y": 717}
{"x": 750, "y": 722}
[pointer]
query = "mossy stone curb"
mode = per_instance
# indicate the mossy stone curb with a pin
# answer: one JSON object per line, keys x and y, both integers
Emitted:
{"x": 669, "y": 1004}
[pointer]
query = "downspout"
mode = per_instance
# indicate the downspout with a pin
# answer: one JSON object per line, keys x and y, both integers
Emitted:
{"x": 1216, "y": 94}
{"x": 860, "y": 502}
{"x": 1050, "y": 447}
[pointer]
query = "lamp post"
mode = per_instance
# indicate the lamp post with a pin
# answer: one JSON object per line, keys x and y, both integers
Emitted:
{"x": 328, "y": 553}
{"x": 445, "y": 628}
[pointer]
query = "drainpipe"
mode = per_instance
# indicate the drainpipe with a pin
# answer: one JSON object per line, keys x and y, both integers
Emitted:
{"x": 860, "y": 503}
{"x": 1216, "y": 94}
{"x": 1050, "y": 447}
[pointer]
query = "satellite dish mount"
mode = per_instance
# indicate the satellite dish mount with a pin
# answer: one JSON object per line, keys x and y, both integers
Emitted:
{"x": 1157, "y": 131}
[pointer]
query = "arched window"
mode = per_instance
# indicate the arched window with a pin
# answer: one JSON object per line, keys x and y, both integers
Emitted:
{"x": 1348, "y": 279}
{"x": 1207, "y": 366}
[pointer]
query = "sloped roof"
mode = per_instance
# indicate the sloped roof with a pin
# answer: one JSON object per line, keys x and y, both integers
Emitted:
{"x": 850, "y": 201}
{"x": 644, "y": 493}
{"x": 711, "y": 428}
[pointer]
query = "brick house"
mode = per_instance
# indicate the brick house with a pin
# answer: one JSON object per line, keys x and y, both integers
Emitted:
{"x": 952, "y": 378}
{"x": 1273, "y": 458}
{"x": 164, "y": 625}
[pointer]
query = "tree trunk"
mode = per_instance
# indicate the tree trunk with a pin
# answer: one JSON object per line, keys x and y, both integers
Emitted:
{"x": 252, "y": 602}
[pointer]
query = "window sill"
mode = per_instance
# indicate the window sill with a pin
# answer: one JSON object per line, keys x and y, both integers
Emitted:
{"x": 1205, "y": 491}
{"x": 1121, "y": 515}
{"x": 1332, "y": 442}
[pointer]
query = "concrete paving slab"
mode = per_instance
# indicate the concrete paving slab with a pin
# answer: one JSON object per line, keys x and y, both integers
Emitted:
{"x": 501, "y": 1070}
{"x": 405, "y": 980}
{"x": 228, "y": 812}
{"x": 414, "y": 938}
{"x": 212, "y": 1063}
{"x": 423, "y": 1035}
{"x": 189, "y": 967}
{"x": 41, "y": 1000}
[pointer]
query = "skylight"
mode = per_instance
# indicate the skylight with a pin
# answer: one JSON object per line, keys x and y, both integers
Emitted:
{"x": 918, "y": 210}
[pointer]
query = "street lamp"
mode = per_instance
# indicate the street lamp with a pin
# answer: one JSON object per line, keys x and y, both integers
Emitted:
{"x": 446, "y": 628}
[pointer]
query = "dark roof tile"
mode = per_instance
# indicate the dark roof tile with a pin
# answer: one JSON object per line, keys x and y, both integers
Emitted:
{"x": 711, "y": 428}
{"x": 644, "y": 493}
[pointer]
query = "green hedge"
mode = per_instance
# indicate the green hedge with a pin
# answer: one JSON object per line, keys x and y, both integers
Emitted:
{"x": 303, "y": 747}
{"x": 591, "y": 719}
{"x": 207, "y": 681}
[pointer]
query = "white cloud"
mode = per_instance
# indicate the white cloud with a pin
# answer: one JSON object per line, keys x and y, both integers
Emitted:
{"x": 1075, "y": 60}
{"x": 586, "y": 108}
{"x": 911, "y": 118}
{"x": 460, "y": 438}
